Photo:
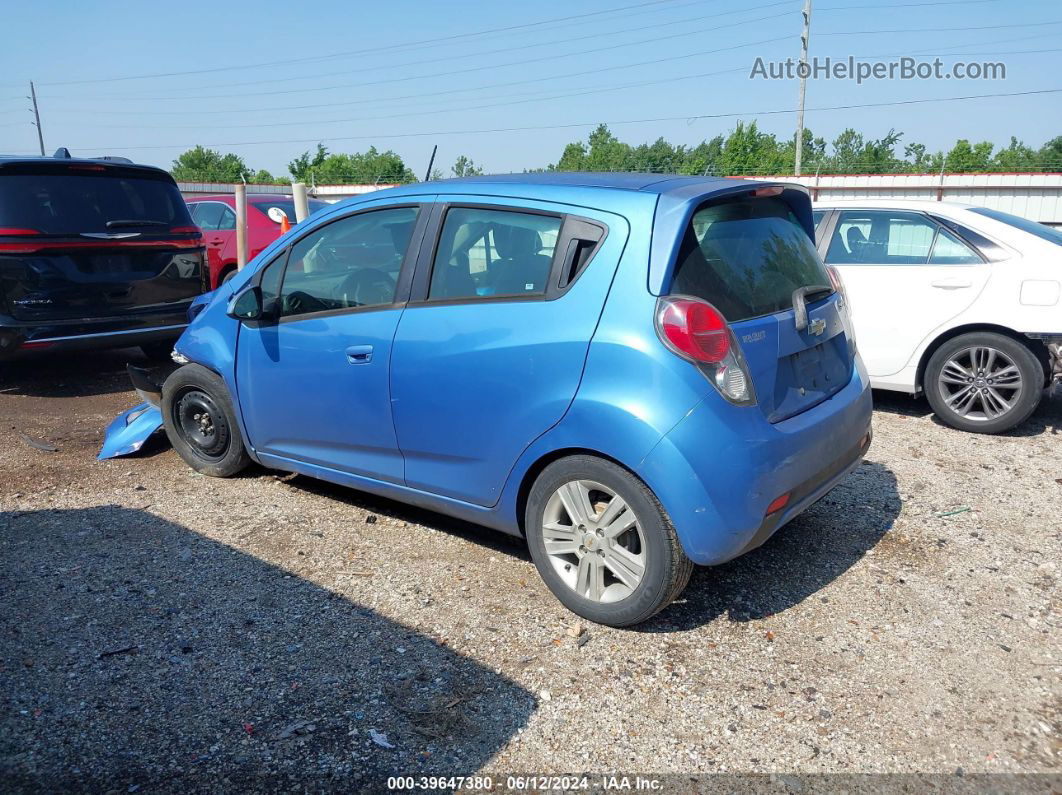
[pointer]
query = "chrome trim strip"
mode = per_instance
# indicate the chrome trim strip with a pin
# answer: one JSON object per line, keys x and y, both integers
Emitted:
{"x": 108, "y": 333}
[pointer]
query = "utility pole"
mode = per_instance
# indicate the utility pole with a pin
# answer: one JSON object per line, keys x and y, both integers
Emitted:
{"x": 803, "y": 74}
{"x": 37, "y": 116}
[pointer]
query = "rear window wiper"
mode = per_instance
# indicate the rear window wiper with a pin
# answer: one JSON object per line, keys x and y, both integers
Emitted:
{"x": 800, "y": 298}
{"x": 134, "y": 222}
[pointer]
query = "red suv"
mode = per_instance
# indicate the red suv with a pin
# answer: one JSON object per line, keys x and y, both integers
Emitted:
{"x": 216, "y": 216}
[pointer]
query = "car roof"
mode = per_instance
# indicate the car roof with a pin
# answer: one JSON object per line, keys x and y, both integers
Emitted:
{"x": 627, "y": 181}
{"x": 113, "y": 162}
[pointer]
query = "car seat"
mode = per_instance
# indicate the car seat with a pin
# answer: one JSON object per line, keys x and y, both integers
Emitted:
{"x": 521, "y": 269}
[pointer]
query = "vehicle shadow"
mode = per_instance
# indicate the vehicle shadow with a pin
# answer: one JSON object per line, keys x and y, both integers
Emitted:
{"x": 798, "y": 561}
{"x": 1046, "y": 419}
{"x": 76, "y": 374}
{"x": 136, "y": 653}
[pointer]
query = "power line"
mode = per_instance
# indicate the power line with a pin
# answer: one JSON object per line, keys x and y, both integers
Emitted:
{"x": 479, "y": 67}
{"x": 890, "y": 6}
{"x": 594, "y": 71}
{"x": 479, "y": 54}
{"x": 688, "y": 118}
{"x": 937, "y": 30}
{"x": 383, "y": 48}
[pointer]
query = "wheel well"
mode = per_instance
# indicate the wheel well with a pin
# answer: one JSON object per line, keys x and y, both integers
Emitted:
{"x": 536, "y": 469}
{"x": 228, "y": 266}
{"x": 1038, "y": 349}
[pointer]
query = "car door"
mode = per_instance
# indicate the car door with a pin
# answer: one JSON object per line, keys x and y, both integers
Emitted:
{"x": 218, "y": 222}
{"x": 313, "y": 377}
{"x": 489, "y": 353}
{"x": 905, "y": 275}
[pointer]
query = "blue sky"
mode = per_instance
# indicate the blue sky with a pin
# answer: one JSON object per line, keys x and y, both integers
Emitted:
{"x": 405, "y": 75}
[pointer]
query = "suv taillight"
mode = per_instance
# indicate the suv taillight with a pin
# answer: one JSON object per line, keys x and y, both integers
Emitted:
{"x": 698, "y": 332}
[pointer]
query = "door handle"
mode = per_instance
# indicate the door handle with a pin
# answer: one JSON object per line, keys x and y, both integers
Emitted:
{"x": 951, "y": 284}
{"x": 359, "y": 354}
{"x": 217, "y": 241}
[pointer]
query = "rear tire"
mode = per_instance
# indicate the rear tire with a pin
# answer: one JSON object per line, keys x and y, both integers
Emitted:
{"x": 984, "y": 382}
{"x": 603, "y": 543}
{"x": 201, "y": 422}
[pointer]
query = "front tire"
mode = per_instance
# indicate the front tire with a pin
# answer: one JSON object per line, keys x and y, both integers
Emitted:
{"x": 602, "y": 542}
{"x": 201, "y": 423}
{"x": 984, "y": 382}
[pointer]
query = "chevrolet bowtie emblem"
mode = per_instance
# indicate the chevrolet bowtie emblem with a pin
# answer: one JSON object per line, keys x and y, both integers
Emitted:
{"x": 817, "y": 326}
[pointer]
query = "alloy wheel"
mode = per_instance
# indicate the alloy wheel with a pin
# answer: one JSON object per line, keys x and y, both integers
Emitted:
{"x": 980, "y": 383}
{"x": 594, "y": 541}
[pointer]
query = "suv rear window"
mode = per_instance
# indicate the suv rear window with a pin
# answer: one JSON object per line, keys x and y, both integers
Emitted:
{"x": 746, "y": 257}
{"x": 58, "y": 204}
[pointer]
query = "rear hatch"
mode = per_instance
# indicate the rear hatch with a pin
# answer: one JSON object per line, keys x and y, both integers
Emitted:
{"x": 747, "y": 254}
{"x": 88, "y": 240}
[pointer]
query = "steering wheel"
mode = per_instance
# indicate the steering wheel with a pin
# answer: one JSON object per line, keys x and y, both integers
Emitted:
{"x": 300, "y": 303}
{"x": 366, "y": 287}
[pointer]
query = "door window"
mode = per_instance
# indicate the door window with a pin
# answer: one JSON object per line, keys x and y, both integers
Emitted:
{"x": 881, "y": 238}
{"x": 348, "y": 263}
{"x": 949, "y": 250}
{"x": 208, "y": 215}
{"x": 486, "y": 252}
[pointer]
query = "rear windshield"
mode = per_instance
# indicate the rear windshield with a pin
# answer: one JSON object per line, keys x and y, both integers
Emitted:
{"x": 288, "y": 206}
{"x": 1024, "y": 224}
{"x": 746, "y": 257}
{"x": 57, "y": 204}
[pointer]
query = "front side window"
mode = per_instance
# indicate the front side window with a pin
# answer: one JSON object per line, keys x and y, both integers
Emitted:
{"x": 487, "y": 252}
{"x": 881, "y": 237}
{"x": 746, "y": 257}
{"x": 208, "y": 215}
{"x": 349, "y": 263}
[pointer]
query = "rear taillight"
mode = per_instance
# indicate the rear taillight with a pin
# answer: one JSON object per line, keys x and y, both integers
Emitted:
{"x": 837, "y": 282}
{"x": 698, "y": 332}
{"x": 15, "y": 231}
{"x": 194, "y": 231}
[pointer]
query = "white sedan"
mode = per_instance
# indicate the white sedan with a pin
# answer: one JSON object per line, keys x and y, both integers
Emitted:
{"x": 962, "y": 303}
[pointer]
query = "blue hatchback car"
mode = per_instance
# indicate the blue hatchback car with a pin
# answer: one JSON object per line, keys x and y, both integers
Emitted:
{"x": 636, "y": 373}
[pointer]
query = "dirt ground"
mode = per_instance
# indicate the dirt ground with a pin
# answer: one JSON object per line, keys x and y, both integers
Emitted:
{"x": 158, "y": 625}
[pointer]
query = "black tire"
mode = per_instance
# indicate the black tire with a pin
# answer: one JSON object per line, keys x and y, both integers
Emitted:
{"x": 1023, "y": 401}
{"x": 201, "y": 423}
{"x": 158, "y": 351}
{"x": 666, "y": 571}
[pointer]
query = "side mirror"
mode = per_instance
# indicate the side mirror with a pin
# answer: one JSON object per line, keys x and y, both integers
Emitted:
{"x": 247, "y": 304}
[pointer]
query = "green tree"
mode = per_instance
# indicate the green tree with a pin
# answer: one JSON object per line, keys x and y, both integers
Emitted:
{"x": 360, "y": 168}
{"x": 464, "y": 167}
{"x": 1016, "y": 157}
{"x": 966, "y": 157}
{"x": 748, "y": 151}
{"x": 208, "y": 165}
{"x": 1050, "y": 155}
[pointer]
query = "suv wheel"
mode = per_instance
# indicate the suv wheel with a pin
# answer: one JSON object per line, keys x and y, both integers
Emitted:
{"x": 200, "y": 422}
{"x": 984, "y": 382}
{"x": 603, "y": 543}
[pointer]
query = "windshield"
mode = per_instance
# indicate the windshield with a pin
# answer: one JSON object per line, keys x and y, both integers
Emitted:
{"x": 288, "y": 206}
{"x": 1042, "y": 231}
{"x": 746, "y": 257}
{"x": 59, "y": 204}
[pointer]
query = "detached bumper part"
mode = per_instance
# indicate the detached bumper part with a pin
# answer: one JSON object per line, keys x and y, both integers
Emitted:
{"x": 129, "y": 430}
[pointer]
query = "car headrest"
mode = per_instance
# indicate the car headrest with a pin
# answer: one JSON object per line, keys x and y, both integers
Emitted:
{"x": 516, "y": 241}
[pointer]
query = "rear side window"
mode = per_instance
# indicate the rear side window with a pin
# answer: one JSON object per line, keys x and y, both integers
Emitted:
{"x": 57, "y": 204}
{"x": 287, "y": 206}
{"x": 746, "y": 257}
{"x": 487, "y": 252}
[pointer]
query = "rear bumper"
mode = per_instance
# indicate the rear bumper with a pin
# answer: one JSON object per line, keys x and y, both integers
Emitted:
{"x": 20, "y": 339}
{"x": 719, "y": 469}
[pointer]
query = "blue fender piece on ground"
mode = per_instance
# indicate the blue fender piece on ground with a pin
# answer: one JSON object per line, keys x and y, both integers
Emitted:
{"x": 129, "y": 430}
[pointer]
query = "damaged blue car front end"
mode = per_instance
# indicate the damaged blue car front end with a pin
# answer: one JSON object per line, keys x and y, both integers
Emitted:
{"x": 128, "y": 432}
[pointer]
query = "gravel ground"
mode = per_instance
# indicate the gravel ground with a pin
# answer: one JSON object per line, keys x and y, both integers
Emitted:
{"x": 159, "y": 625}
